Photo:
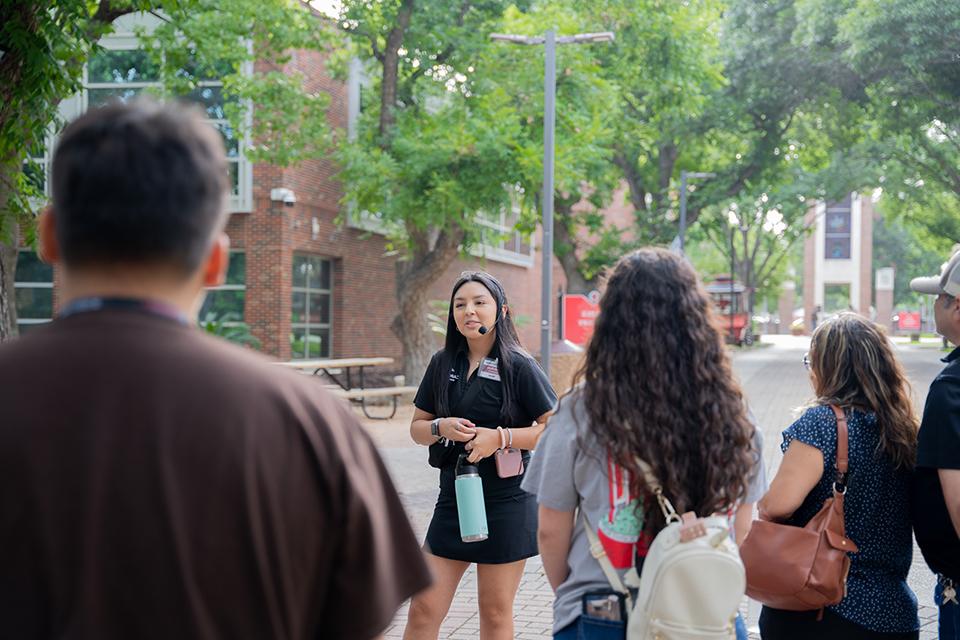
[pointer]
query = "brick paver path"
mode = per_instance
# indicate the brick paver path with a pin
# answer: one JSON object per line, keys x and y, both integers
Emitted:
{"x": 775, "y": 384}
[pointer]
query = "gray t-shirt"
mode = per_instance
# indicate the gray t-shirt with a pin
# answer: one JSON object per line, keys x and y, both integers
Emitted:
{"x": 758, "y": 482}
{"x": 563, "y": 475}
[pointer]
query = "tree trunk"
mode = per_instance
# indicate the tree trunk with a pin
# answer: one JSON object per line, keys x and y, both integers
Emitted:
{"x": 391, "y": 65}
{"x": 567, "y": 257}
{"x": 413, "y": 280}
{"x": 9, "y": 242}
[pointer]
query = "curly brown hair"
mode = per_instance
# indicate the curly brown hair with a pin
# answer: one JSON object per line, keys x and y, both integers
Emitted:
{"x": 853, "y": 365}
{"x": 658, "y": 386}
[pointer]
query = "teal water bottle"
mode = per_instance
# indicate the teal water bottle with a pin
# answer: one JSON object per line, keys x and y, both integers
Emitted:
{"x": 470, "y": 507}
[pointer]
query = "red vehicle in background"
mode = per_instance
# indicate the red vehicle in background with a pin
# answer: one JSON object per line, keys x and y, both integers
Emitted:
{"x": 728, "y": 297}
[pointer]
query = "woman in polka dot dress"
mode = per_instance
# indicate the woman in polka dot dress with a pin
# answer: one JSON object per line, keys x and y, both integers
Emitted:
{"x": 852, "y": 365}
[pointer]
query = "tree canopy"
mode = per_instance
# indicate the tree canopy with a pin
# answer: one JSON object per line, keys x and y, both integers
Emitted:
{"x": 785, "y": 102}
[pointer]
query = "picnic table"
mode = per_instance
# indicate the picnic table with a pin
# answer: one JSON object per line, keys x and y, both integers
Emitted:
{"x": 345, "y": 368}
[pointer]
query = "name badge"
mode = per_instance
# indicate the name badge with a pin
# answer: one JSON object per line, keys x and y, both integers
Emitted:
{"x": 489, "y": 370}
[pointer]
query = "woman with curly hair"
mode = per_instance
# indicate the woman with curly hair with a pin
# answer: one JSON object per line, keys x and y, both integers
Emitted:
{"x": 657, "y": 386}
{"x": 852, "y": 366}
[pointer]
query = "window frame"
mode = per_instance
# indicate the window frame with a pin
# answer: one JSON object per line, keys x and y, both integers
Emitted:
{"x": 29, "y": 284}
{"x": 307, "y": 291}
{"x": 845, "y": 208}
{"x": 500, "y": 252}
{"x": 231, "y": 287}
{"x": 240, "y": 202}
{"x": 125, "y": 39}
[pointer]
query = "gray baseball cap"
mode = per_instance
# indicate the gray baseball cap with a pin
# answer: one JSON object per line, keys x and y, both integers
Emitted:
{"x": 947, "y": 282}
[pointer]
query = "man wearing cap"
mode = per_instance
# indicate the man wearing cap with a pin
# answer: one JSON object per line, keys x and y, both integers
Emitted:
{"x": 936, "y": 487}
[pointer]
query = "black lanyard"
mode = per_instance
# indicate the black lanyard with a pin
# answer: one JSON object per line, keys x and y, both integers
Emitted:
{"x": 150, "y": 307}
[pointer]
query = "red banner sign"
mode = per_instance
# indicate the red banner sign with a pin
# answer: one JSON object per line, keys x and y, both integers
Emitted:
{"x": 579, "y": 315}
{"x": 909, "y": 321}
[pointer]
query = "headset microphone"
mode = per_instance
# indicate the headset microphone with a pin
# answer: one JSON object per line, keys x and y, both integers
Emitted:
{"x": 484, "y": 330}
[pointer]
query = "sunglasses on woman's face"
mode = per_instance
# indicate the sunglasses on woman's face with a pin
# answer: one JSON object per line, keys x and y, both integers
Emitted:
{"x": 806, "y": 361}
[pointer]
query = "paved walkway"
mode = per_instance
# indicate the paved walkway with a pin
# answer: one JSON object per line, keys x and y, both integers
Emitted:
{"x": 776, "y": 385}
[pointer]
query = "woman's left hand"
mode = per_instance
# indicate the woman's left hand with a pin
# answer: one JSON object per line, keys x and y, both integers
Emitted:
{"x": 483, "y": 445}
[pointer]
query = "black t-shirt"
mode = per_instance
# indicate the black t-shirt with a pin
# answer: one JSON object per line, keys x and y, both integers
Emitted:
{"x": 533, "y": 397}
{"x": 939, "y": 448}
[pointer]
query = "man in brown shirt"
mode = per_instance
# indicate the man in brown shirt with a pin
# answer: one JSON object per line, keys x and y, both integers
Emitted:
{"x": 156, "y": 482}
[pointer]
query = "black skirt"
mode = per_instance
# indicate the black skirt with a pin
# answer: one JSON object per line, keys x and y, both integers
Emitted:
{"x": 511, "y": 525}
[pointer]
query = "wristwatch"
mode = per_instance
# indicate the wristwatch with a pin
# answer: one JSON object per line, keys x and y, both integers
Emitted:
{"x": 435, "y": 427}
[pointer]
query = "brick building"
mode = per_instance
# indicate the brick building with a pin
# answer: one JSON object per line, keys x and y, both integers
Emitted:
{"x": 306, "y": 286}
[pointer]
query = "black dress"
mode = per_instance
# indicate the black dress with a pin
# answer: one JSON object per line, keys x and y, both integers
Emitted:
{"x": 511, "y": 512}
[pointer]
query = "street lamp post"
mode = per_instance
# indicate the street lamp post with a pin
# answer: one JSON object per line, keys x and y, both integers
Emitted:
{"x": 683, "y": 203}
{"x": 549, "y": 41}
{"x": 733, "y": 298}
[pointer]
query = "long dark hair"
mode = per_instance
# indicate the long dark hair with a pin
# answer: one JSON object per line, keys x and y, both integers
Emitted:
{"x": 506, "y": 348}
{"x": 658, "y": 386}
{"x": 854, "y": 366}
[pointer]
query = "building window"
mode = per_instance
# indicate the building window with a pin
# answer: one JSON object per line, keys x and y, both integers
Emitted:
{"x": 226, "y": 303}
{"x": 117, "y": 73}
{"x": 33, "y": 287}
{"x": 311, "y": 310}
{"x": 838, "y": 231}
{"x": 121, "y": 70}
{"x": 501, "y": 241}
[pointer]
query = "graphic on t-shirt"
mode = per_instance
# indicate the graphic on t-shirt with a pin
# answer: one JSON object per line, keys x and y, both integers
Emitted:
{"x": 621, "y": 531}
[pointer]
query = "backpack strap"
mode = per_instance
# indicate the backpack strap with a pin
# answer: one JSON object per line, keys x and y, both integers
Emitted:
{"x": 600, "y": 554}
{"x": 669, "y": 513}
{"x": 841, "y": 465}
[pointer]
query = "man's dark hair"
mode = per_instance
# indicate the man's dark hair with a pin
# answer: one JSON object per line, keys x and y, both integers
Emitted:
{"x": 139, "y": 183}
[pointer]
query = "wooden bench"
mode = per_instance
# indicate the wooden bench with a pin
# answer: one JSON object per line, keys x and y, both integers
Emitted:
{"x": 332, "y": 367}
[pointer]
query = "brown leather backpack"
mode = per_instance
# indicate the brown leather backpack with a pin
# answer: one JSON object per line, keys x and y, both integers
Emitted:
{"x": 803, "y": 568}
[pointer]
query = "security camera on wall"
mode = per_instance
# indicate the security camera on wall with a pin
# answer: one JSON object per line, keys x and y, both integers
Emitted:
{"x": 284, "y": 195}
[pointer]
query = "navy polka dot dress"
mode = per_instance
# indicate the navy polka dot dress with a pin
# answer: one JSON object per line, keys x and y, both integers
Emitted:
{"x": 876, "y": 511}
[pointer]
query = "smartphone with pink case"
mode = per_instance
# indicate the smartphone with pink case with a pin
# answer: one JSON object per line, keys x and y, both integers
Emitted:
{"x": 509, "y": 462}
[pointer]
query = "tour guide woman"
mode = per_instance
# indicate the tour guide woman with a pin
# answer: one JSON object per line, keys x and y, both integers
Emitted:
{"x": 481, "y": 348}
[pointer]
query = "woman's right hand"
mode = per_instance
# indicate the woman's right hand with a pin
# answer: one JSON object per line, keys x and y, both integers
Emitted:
{"x": 457, "y": 429}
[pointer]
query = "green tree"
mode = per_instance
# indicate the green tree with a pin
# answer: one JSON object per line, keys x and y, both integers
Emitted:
{"x": 905, "y": 52}
{"x": 455, "y": 132}
{"x": 785, "y": 133}
{"x": 755, "y": 110}
{"x": 44, "y": 47}
{"x": 664, "y": 65}
{"x": 46, "y": 44}
{"x": 910, "y": 250}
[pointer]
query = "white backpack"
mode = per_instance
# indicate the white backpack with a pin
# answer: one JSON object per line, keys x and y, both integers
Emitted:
{"x": 688, "y": 589}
